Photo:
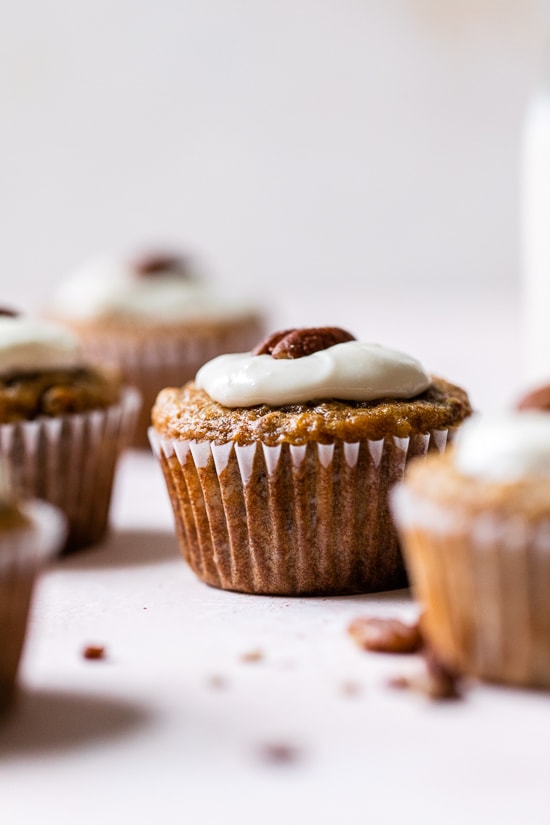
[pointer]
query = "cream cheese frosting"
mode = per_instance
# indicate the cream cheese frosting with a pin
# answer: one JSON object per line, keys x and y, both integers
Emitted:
{"x": 109, "y": 287}
{"x": 504, "y": 447}
{"x": 30, "y": 345}
{"x": 352, "y": 371}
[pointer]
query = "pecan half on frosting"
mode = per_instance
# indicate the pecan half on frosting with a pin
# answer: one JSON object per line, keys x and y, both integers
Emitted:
{"x": 9, "y": 313}
{"x": 162, "y": 263}
{"x": 296, "y": 343}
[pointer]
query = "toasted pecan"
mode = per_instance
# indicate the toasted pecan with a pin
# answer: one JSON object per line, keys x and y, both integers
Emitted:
{"x": 385, "y": 635}
{"x": 162, "y": 263}
{"x": 296, "y": 343}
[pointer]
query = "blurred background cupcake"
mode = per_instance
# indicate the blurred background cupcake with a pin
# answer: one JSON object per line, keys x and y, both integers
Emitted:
{"x": 30, "y": 533}
{"x": 154, "y": 319}
{"x": 475, "y": 525}
{"x": 63, "y": 423}
{"x": 278, "y": 462}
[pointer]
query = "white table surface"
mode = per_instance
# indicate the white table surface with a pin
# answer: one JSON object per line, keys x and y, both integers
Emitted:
{"x": 145, "y": 737}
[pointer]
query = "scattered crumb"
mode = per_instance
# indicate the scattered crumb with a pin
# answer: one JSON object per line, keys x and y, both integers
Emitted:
{"x": 399, "y": 682}
{"x": 385, "y": 635}
{"x": 350, "y": 688}
{"x": 437, "y": 682}
{"x": 252, "y": 656}
{"x": 217, "y": 682}
{"x": 93, "y": 652}
{"x": 278, "y": 753}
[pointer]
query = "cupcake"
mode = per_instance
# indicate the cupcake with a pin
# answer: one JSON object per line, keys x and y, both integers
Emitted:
{"x": 29, "y": 535}
{"x": 475, "y": 525}
{"x": 62, "y": 423}
{"x": 154, "y": 319}
{"x": 278, "y": 461}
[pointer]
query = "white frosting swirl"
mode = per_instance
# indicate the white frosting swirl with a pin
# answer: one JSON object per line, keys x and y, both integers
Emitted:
{"x": 353, "y": 371}
{"x": 110, "y": 287}
{"x": 28, "y": 345}
{"x": 504, "y": 447}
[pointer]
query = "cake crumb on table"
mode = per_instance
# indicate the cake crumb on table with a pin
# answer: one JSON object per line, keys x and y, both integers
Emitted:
{"x": 350, "y": 688}
{"x": 278, "y": 753}
{"x": 217, "y": 681}
{"x": 251, "y": 656}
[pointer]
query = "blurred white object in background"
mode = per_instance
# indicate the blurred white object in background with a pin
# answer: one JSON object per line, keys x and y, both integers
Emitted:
{"x": 535, "y": 233}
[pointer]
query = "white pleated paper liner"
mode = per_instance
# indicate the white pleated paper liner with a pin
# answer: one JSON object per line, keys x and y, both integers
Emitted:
{"x": 484, "y": 584}
{"x": 153, "y": 362}
{"x": 23, "y": 553}
{"x": 289, "y": 520}
{"x": 70, "y": 461}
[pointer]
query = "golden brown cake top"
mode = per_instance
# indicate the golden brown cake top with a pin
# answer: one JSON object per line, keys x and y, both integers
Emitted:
{"x": 436, "y": 479}
{"x": 43, "y": 372}
{"x": 24, "y": 397}
{"x": 500, "y": 464}
{"x": 190, "y": 413}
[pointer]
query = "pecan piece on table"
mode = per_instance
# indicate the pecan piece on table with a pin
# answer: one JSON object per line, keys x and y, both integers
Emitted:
{"x": 278, "y": 753}
{"x": 386, "y": 635}
{"x": 93, "y": 652}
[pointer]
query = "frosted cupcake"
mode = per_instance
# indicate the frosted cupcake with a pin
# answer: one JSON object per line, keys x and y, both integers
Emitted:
{"x": 278, "y": 461}
{"x": 62, "y": 423}
{"x": 475, "y": 525}
{"x": 30, "y": 534}
{"x": 153, "y": 319}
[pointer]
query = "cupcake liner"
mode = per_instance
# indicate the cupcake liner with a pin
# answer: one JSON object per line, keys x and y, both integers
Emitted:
{"x": 152, "y": 362}
{"x": 70, "y": 461}
{"x": 484, "y": 584}
{"x": 305, "y": 519}
{"x": 23, "y": 552}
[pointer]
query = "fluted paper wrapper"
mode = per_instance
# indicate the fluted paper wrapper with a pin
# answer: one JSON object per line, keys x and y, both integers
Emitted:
{"x": 289, "y": 520}
{"x": 70, "y": 461}
{"x": 484, "y": 583}
{"x": 23, "y": 552}
{"x": 152, "y": 362}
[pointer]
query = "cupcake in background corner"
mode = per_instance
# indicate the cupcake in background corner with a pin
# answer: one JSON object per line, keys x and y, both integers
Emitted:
{"x": 154, "y": 319}
{"x": 31, "y": 533}
{"x": 63, "y": 423}
{"x": 475, "y": 525}
{"x": 278, "y": 461}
